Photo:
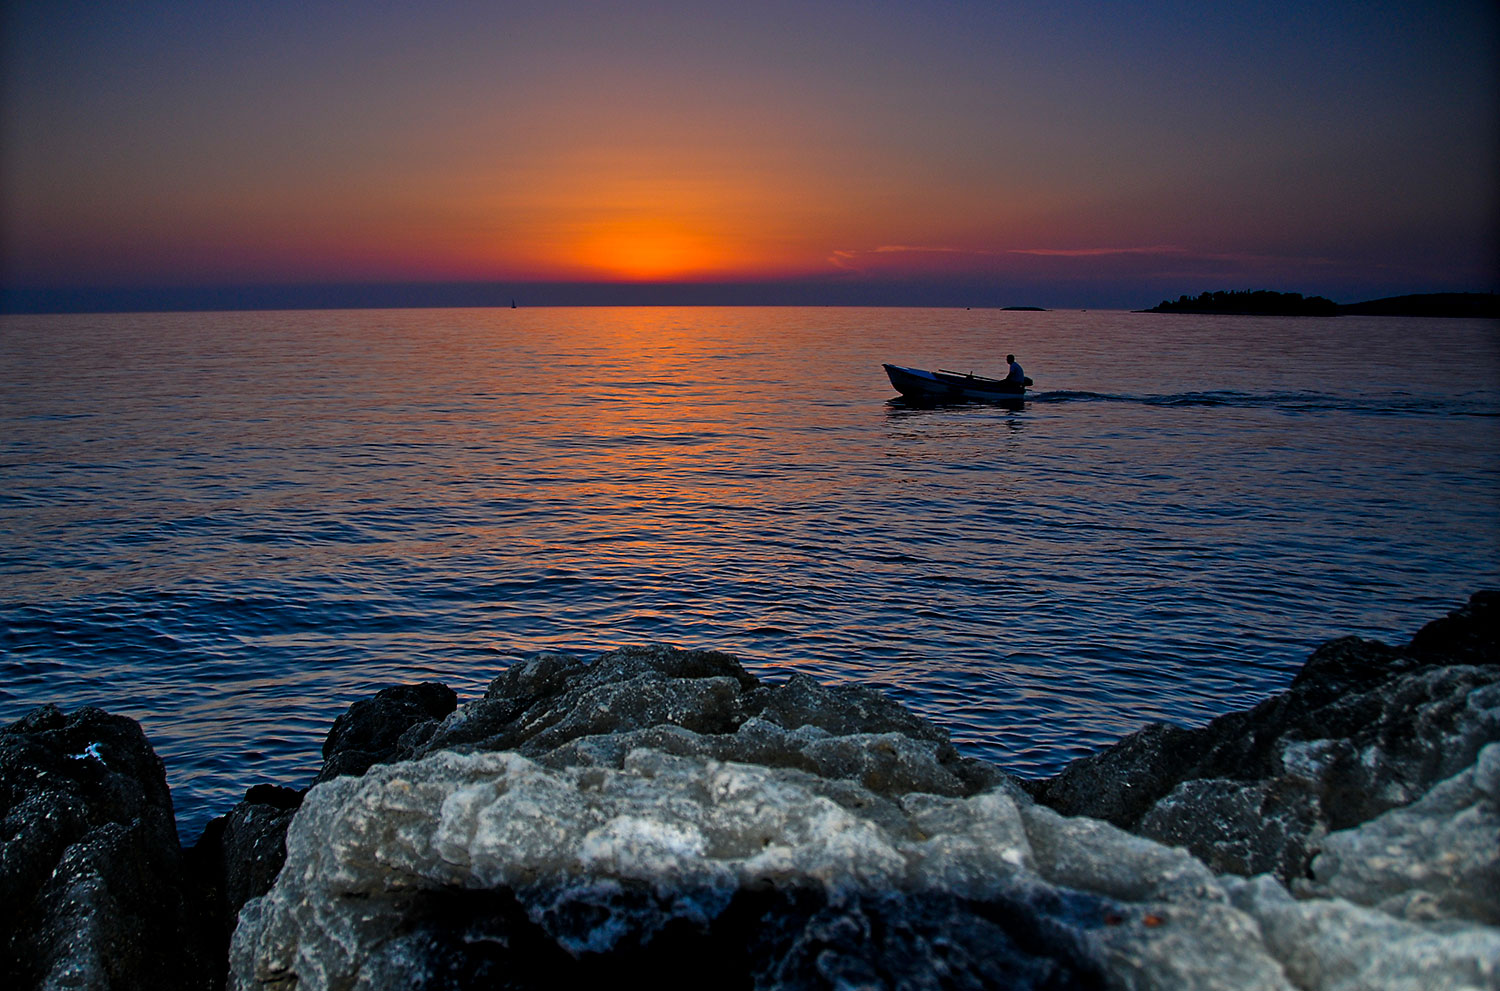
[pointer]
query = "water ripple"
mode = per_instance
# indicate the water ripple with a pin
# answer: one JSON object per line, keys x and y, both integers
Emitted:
{"x": 232, "y": 525}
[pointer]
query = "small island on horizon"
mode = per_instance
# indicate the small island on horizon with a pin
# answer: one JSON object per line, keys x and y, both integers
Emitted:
{"x": 1265, "y": 302}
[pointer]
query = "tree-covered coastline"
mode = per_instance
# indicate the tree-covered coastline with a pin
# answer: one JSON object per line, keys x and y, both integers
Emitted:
{"x": 1257, "y": 302}
{"x": 1265, "y": 302}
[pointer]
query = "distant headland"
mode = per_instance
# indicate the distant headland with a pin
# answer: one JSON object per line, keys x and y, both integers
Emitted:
{"x": 1264, "y": 302}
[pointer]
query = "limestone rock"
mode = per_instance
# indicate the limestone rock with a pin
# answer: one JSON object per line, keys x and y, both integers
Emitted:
{"x": 1364, "y": 728}
{"x": 1438, "y": 858}
{"x": 560, "y": 710}
{"x": 662, "y": 815}
{"x": 550, "y": 699}
{"x": 239, "y": 854}
{"x": 564, "y": 712}
{"x": 1334, "y": 945}
{"x": 839, "y": 710}
{"x": 459, "y": 864}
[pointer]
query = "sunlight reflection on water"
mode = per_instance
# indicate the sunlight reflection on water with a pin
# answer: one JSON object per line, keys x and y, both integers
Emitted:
{"x": 232, "y": 525}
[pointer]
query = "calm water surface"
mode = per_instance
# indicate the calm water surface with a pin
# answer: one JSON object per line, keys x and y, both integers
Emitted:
{"x": 230, "y": 526}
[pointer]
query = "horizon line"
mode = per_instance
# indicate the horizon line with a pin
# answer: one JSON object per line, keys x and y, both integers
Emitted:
{"x": 230, "y": 297}
{"x": 504, "y": 295}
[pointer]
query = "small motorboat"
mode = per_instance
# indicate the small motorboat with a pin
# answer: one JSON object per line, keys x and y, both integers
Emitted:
{"x": 943, "y": 386}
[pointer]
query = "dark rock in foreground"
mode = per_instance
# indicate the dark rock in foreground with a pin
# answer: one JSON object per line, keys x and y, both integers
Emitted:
{"x": 372, "y": 730}
{"x": 561, "y": 711}
{"x": 1364, "y": 728}
{"x": 92, "y": 888}
{"x": 240, "y": 853}
{"x": 662, "y": 813}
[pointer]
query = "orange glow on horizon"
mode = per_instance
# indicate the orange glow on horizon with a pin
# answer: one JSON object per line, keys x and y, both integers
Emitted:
{"x": 647, "y": 250}
{"x": 663, "y": 210}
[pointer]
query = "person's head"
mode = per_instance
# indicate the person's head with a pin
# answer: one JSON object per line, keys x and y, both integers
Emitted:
{"x": 1011, "y": 358}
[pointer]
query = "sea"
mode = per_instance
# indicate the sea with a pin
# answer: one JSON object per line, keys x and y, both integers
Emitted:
{"x": 230, "y": 526}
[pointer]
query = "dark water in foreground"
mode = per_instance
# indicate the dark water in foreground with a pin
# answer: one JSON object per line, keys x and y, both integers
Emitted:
{"x": 231, "y": 525}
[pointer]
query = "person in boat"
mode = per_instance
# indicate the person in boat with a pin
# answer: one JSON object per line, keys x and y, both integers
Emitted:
{"x": 1016, "y": 376}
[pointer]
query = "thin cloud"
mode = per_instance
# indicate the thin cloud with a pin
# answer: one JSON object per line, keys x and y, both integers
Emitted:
{"x": 849, "y": 259}
{"x": 854, "y": 260}
{"x": 886, "y": 249}
{"x": 1154, "y": 249}
{"x": 1236, "y": 258}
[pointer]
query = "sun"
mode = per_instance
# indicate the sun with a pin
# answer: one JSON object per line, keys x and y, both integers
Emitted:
{"x": 647, "y": 250}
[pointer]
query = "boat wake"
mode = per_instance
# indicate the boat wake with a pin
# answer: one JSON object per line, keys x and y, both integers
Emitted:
{"x": 1401, "y": 404}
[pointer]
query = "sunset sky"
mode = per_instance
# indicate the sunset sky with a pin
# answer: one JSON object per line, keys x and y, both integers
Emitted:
{"x": 1045, "y": 153}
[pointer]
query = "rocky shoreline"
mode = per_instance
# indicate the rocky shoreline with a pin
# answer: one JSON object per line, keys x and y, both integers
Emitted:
{"x": 664, "y": 814}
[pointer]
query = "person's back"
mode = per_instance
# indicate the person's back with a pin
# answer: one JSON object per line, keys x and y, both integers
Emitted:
{"x": 1016, "y": 376}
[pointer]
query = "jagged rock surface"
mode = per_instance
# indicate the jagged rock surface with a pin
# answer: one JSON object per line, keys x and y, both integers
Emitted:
{"x": 92, "y": 888}
{"x": 1438, "y": 858}
{"x": 664, "y": 815}
{"x": 661, "y": 813}
{"x": 464, "y": 868}
{"x": 1364, "y": 728}
{"x": 1329, "y": 944}
{"x": 375, "y": 730}
{"x": 780, "y": 877}
{"x": 1409, "y": 899}
{"x": 563, "y": 711}
{"x": 240, "y": 853}
{"x": 558, "y": 709}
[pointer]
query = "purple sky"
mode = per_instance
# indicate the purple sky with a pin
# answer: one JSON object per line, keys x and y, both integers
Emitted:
{"x": 1032, "y": 153}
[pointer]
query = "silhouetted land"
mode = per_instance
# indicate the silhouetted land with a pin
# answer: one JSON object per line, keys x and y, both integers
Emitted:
{"x": 1260, "y": 302}
{"x": 1263, "y": 302}
{"x": 1433, "y": 304}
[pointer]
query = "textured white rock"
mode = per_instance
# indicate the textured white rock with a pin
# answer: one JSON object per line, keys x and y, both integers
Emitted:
{"x": 1333, "y": 945}
{"x": 1438, "y": 858}
{"x": 689, "y": 832}
{"x": 1091, "y": 855}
